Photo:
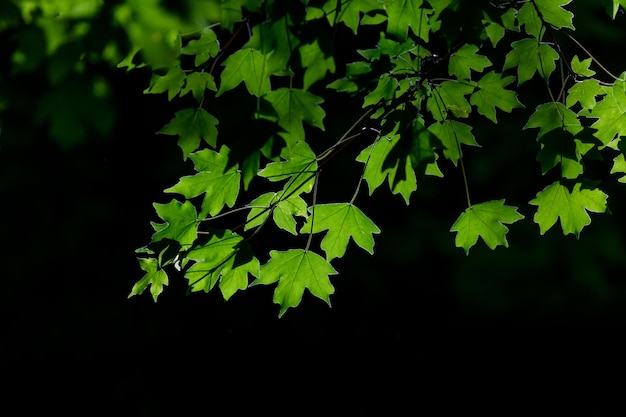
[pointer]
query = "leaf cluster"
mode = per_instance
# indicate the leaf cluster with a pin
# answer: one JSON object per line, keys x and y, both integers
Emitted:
{"x": 421, "y": 74}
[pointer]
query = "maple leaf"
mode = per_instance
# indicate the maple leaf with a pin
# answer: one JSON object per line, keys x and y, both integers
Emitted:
{"x": 171, "y": 82}
{"x": 530, "y": 56}
{"x": 343, "y": 221}
{"x": 205, "y": 47}
{"x": 250, "y": 66}
{"x": 611, "y": 114}
{"x": 466, "y": 59}
{"x": 349, "y": 12}
{"x": 556, "y": 201}
{"x": 450, "y": 96}
{"x": 197, "y": 82}
{"x": 224, "y": 258}
{"x": 452, "y": 135}
{"x": 385, "y": 90}
{"x": 582, "y": 67}
{"x": 155, "y": 277}
{"x": 382, "y": 163}
{"x": 299, "y": 166}
{"x": 619, "y": 167}
{"x": 216, "y": 179}
{"x": 486, "y": 220}
{"x": 191, "y": 126}
{"x": 403, "y": 14}
{"x": 295, "y": 270}
{"x": 550, "y": 116}
{"x": 552, "y": 12}
{"x": 584, "y": 92}
{"x": 293, "y": 107}
{"x": 181, "y": 223}
{"x": 490, "y": 93}
{"x": 316, "y": 62}
{"x": 283, "y": 211}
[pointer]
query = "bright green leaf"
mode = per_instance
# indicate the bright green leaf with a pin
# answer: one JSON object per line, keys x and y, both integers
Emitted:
{"x": 616, "y": 6}
{"x": 294, "y": 107}
{"x": 490, "y": 93}
{"x": 449, "y": 96}
{"x": 585, "y": 93}
{"x": 555, "y": 201}
{"x": 619, "y": 167}
{"x": 181, "y": 223}
{"x": 295, "y": 270}
{"x": 530, "y": 56}
{"x": 316, "y": 62}
{"x": 216, "y": 179}
{"x": 343, "y": 221}
{"x": 155, "y": 277}
{"x": 552, "y": 12}
{"x": 192, "y": 125}
{"x": 298, "y": 165}
{"x": 224, "y": 258}
{"x": 549, "y": 116}
{"x": 283, "y": 211}
{"x": 486, "y": 220}
{"x": 197, "y": 82}
{"x": 171, "y": 82}
{"x": 452, "y": 135}
{"x": 610, "y": 113}
{"x": 385, "y": 90}
{"x": 247, "y": 65}
{"x": 382, "y": 163}
{"x": 205, "y": 47}
{"x": 466, "y": 59}
{"x": 582, "y": 67}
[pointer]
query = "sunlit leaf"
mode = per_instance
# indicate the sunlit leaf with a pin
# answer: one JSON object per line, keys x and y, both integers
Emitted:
{"x": 191, "y": 126}
{"x": 487, "y": 221}
{"x": 154, "y": 276}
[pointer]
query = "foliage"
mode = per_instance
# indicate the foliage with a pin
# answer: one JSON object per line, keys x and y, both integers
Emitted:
{"x": 418, "y": 76}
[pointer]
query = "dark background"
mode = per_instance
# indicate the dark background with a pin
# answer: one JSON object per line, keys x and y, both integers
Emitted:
{"x": 418, "y": 326}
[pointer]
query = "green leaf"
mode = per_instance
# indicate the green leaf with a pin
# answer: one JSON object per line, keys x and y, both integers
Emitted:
{"x": 553, "y": 13}
{"x": 490, "y": 93}
{"x": 349, "y": 12}
{"x": 616, "y": 6}
{"x": 295, "y": 270}
{"x": 298, "y": 165}
{"x": 385, "y": 90}
{"x": 181, "y": 223}
{"x": 619, "y": 167}
{"x": 582, "y": 67}
{"x": 555, "y": 201}
{"x": 530, "y": 56}
{"x": 449, "y": 96}
{"x": 405, "y": 14}
{"x": 283, "y": 211}
{"x": 486, "y": 220}
{"x": 316, "y": 61}
{"x": 383, "y": 163}
{"x": 224, "y": 258}
{"x": 171, "y": 82}
{"x": 155, "y": 277}
{"x": 550, "y": 116}
{"x": 216, "y": 179}
{"x": 192, "y": 125}
{"x": 247, "y": 65}
{"x": 529, "y": 18}
{"x": 294, "y": 107}
{"x": 452, "y": 135}
{"x": 584, "y": 92}
{"x": 197, "y": 82}
{"x": 466, "y": 59}
{"x": 611, "y": 114}
{"x": 343, "y": 221}
{"x": 205, "y": 47}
